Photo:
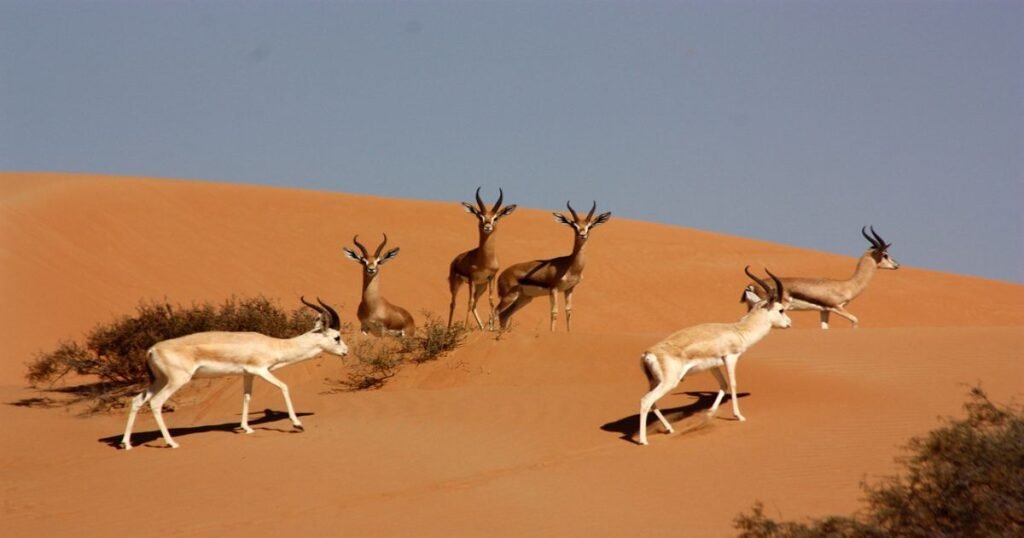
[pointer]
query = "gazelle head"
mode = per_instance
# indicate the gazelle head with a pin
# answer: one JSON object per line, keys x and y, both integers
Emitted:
{"x": 370, "y": 264}
{"x": 328, "y": 328}
{"x": 879, "y": 249}
{"x": 777, "y": 301}
{"x": 489, "y": 217}
{"x": 582, "y": 226}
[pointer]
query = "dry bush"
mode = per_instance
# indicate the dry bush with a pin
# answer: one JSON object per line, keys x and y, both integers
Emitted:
{"x": 114, "y": 354}
{"x": 962, "y": 479}
{"x": 378, "y": 359}
{"x": 434, "y": 339}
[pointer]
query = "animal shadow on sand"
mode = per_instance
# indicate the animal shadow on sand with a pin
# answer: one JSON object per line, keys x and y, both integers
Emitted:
{"x": 677, "y": 416}
{"x": 269, "y": 415}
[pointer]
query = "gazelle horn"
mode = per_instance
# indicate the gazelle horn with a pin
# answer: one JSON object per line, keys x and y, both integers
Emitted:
{"x": 480, "y": 202}
{"x": 762, "y": 283}
{"x": 571, "y": 210}
{"x": 335, "y": 319}
{"x": 381, "y": 247}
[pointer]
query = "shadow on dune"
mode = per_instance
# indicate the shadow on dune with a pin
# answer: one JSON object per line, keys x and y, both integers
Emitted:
{"x": 627, "y": 427}
{"x": 142, "y": 437}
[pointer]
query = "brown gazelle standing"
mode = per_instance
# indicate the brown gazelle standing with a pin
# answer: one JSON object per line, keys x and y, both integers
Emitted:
{"x": 829, "y": 295}
{"x": 520, "y": 283}
{"x": 376, "y": 315}
{"x": 479, "y": 266}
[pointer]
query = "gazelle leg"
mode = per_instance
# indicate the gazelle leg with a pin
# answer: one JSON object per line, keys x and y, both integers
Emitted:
{"x": 824, "y": 318}
{"x": 490, "y": 300}
{"x": 246, "y": 396}
{"x": 650, "y": 399}
{"x": 717, "y": 372}
{"x": 554, "y": 307}
{"x": 454, "y": 283}
{"x": 156, "y": 405}
{"x": 269, "y": 377}
{"x": 730, "y": 366}
{"x": 137, "y": 403}
{"x": 516, "y": 302}
{"x": 844, "y": 313}
{"x": 476, "y": 291}
{"x": 568, "y": 309}
{"x": 648, "y": 402}
{"x": 665, "y": 421}
{"x": 470, "y": 303}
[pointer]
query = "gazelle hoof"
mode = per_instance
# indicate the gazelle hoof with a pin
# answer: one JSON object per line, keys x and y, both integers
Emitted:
{"x": 173, "y": 445}
{"x": 126, "y": 446}
{"x": 741, "y": 418}
{"x": 299, "y": 427}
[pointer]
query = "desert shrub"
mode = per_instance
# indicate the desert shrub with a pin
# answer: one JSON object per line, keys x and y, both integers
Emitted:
{"x": 376, "y": 360}
{"x": 114, "y": 354}
{"x": 962, "y": 479}
{"x": 433, "y": 339}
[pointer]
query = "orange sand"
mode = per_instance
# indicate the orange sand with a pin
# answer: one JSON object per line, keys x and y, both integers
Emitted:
{"x": 527, "y": 435}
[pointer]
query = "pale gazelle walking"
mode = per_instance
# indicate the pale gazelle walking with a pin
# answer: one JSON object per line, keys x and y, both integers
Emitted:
{"x": 376, "y": 315}
{"x": 520, "y": 283}
{"x": 479, "y": 266}
{"x": 709, "y": 347}
{"x": 174, "y": 362}
{"x": 829, "y": 295}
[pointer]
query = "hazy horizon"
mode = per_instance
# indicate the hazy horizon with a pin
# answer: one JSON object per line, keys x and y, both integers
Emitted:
{"x": 792, "y": 122}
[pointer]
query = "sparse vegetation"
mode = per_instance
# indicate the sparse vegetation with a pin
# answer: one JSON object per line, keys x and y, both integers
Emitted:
{"x": 435, "y": 339}
{"x": 962, "y": 479}
{"x": 112, "y": 357}
{"x": 379, "y": 359}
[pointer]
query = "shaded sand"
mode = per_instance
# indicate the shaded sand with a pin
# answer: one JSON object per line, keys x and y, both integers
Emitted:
{"x": 526, "y": 435}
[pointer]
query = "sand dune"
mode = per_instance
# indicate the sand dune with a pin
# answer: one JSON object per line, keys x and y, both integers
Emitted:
{"x": 526, "y": 435}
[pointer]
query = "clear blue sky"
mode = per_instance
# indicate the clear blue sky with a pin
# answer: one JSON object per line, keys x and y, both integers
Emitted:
{"x": 794, "y": 122}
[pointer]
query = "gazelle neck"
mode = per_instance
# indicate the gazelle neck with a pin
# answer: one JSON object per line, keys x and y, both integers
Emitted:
{"x": 754, "y": 326}
{"x": 371, "y": 287}
{"x": 487, "y": 248}
{"x": 297, "y": 349}
{"x": 866, "y": 267}
{"x": 578, "y": 258}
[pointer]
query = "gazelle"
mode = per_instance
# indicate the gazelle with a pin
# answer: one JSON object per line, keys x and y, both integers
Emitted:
{"x": 520, "y": 283}
{"x": 709, "y": 346}
{"x": 479, "y": 266}
{"x": 376, "y": 315}
{"x": 828, "y": 295}
{"x": 174, "y": 362}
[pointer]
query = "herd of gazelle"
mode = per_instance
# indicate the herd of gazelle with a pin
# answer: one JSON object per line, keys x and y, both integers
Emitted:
{"x": 711, "y": 346}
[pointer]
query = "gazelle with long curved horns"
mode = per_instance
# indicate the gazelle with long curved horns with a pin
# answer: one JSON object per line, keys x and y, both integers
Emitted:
{"x": 376, "y": 315}
{"x": 709, "y": 346}
{"x": 830, "y": 295}
{"x": 479, "y": 266}
{"x": 174, "y": 362}
{"x": 520, "y": 283}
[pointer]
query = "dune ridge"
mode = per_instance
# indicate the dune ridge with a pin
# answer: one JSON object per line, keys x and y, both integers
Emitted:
{"x": 528, "y": 434}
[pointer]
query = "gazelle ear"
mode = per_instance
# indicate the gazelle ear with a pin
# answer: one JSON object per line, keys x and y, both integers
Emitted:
{"x": 602, "y": 218}
{"x": 507, "y": 210}
{"x": 562, "y": 219}
{"x": 470, "y": 209}
{"x": 391, "y": 254}
{"x": 351, "y": 254}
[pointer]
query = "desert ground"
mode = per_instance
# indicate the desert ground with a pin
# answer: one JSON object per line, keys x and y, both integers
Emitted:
{"x": 526, "y": 434}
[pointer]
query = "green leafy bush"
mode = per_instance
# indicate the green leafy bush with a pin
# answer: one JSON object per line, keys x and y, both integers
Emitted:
{"x": 965, "y": 478}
